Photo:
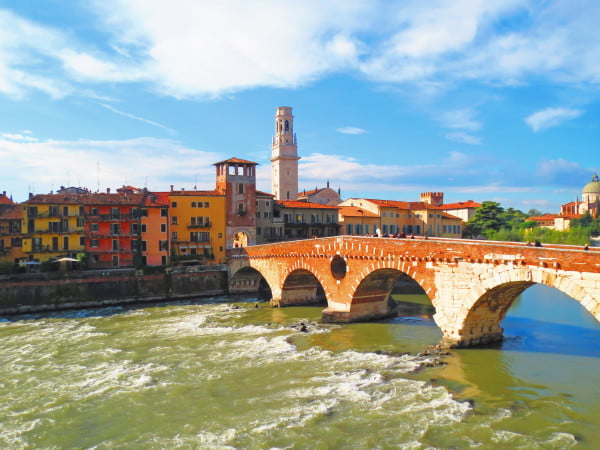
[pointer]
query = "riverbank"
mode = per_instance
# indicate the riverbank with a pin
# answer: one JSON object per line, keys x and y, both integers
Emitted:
{"x": 34, "y": 292}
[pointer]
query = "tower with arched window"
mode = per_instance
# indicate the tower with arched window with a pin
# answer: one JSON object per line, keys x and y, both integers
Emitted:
{"x": 284, "y": 156}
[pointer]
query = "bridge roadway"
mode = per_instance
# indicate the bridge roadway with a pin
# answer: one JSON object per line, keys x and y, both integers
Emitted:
{"x": 471, "y": 284}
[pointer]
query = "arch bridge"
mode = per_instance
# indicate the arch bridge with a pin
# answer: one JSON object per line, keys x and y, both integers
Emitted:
{"x": 471, "y": 284}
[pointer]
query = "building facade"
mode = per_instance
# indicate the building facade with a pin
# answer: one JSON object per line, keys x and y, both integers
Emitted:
{"x": 236, "y": 179}
{"x": 197, "y": 226}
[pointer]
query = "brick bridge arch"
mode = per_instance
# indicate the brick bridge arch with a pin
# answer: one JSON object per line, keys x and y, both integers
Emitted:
{"x": 471, "y": 283}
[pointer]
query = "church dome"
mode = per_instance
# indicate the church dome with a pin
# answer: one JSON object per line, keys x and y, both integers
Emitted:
{"x": 592, "y": 187}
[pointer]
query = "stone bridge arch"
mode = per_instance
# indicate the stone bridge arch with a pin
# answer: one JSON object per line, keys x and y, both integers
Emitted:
{"x": 249, "y": 279}
{"x": 372, "y": 293}
{"x": 301, "y": 284}
{"x": 482, "y": 312}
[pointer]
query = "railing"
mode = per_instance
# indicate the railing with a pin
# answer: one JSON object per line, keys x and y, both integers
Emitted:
{"x": 112, "y": 217}
{"x": 200, "y": 225}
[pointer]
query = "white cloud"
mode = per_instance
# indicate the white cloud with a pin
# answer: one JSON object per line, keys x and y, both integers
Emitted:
{"x": 19, "y": 137}
{"x": 351, "y": 130}
{"x": 551, "y": 117}
{"x": 157, "y": 162}
{"x": 460, "y": 119}
{"x": 208, "y": 49}
{"x": 464, "y": 138}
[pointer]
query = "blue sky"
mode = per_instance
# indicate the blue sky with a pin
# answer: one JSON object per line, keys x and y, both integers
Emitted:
{"x": 484, "y": 100}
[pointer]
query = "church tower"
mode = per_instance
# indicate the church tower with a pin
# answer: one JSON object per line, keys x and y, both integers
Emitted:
{"x": 284, "y": 156}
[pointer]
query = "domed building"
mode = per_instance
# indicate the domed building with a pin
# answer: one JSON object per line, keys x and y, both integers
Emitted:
{"x": 590, "y": 196}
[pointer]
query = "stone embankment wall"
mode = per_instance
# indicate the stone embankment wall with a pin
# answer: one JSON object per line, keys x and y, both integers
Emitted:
{"x": 53, "y": 291}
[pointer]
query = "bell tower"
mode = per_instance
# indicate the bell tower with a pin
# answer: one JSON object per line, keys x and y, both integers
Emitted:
{"x": 284, "y": 156}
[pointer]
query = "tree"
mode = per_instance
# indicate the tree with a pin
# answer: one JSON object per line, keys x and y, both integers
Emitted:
{"x": 534, "y": 213}
{"x": 487, "y": 218}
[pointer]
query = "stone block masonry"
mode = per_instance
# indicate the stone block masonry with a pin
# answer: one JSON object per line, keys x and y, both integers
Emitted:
{"x": 471, "y": 284}
{"x": 52, "y": 291}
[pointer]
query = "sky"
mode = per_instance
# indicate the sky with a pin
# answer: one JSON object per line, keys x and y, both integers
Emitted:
{"x": 480, "y": 99}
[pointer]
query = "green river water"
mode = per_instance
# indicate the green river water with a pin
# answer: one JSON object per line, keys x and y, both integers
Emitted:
{"x": 221, "y": 374}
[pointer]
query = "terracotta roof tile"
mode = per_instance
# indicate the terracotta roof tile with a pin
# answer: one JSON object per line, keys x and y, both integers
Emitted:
{"x": 305, "y": 205}
{"x": 461, "y": 205}
{"x": 236, "y": 160}
{"x": 353, "y": 211}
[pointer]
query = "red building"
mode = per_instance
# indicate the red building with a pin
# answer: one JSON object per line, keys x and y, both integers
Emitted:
{"x": 112, "y": 228}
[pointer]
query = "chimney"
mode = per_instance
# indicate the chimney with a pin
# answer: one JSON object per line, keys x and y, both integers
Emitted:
{"x": 108, "y": 190}
{"x": 172, "y": 188}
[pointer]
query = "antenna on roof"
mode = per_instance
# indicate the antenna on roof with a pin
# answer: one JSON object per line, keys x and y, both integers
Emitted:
{"x": 98, "y": 175}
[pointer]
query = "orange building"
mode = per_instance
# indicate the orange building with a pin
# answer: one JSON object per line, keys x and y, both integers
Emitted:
{"x": 155, "y": 234}
{"x": 11, "y": 217}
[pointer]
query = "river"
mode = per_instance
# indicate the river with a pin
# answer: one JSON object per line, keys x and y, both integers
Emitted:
{"x": 222, "y": 374}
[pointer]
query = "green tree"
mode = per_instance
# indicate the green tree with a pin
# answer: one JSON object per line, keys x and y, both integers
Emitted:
{"x": 487, "y": 218}
{"x": 534, "y": 213}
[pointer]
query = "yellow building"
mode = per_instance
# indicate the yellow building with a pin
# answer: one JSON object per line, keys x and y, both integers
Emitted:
{"x": 197, "y": 226}
{"x": 391, "y": 217}
{"x": 53, "y": 227}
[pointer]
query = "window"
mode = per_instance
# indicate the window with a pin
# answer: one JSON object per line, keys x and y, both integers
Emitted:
{"x": 199, "y": 204}
{"x": 240, "y": 188}
{"x": 163, "y": 227}
{"x": 287, "y": 218}
{"x": 265, "y": 215}
{"x": 115, "y": 260}
{"x": 32, "y": 211}
{"x": 144, "y": 246}
{"x": 174, "y": 235}
{"x": 349, "y": 228}
{"x": 66, "y": 242}
{"x": 163, "y": 260}
{"x": 54, "y": 227}
{"x": 163, "y": 246}
{"x": 173, "y": 204}
{"x": 80, "y": 222}
{"x": 82, "y": 241}
{"x": 53, "y": 211}
{"x": 366, "y": 229}
{"x": 115, "y": 228}
{"x": 164, "y": 212}
{"x": 258, "y": 231}
{"x": 81, "y": 211}
{"x": 144, "y": 228}
{"x": 241, "y": 210}
{"x": 174, "y": 220}
{"x": 93, "y": 211}
{"x": 144, "y": 213}
{"x": 300, "y": 218}
{"x": 267, "y": 204}
{"x": 114, "y": 213}
{"x": 134, "y": 229}
{"x": 65, "y": 210}
{"x": 193, "y": 204}
{"x": 115, "y": 244}
{"x": 220, "y": 235}
{"x": 135, "y": 245}
{"x": 94, "y": 243}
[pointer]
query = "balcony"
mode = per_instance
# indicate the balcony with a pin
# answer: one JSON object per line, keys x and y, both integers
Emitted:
{"x": 200, "y": 225}
{"x": 112, "y": 217}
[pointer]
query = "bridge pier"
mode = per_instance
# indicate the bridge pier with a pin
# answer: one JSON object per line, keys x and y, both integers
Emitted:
{"x": 361, "y": 312}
